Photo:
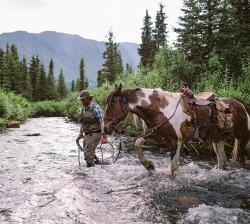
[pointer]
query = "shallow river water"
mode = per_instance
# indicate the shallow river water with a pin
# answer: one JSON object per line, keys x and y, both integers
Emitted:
{"x": 41, "y": 182}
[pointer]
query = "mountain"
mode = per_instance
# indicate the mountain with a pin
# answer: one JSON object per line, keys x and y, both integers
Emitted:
{"x": 66, "y": 50}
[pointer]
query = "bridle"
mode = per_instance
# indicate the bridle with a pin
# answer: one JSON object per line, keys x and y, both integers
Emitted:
{"x": 124, "y": 108}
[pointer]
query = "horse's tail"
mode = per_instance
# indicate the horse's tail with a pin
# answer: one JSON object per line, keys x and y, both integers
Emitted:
{"x": 238, "y": 153}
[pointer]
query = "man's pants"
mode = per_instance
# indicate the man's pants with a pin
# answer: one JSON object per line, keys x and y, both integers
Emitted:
{"x": 89, "y": 144}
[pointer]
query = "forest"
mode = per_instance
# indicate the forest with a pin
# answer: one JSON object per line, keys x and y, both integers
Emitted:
{"x": 211, "y": 53}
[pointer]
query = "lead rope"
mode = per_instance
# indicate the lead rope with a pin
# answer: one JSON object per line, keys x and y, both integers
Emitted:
{"x": 79, "y": 150}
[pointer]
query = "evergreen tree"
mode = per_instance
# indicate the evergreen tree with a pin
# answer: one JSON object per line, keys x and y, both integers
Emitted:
{"x": 160, "y": 31}
{"x": 242, "y": 16}
{"x": 52, "y": 92}
{"x": 83, "y": 82}
{"x": 26, "y": 83}
{"x": 100, "y": 78}
{"x": 2, "y": 69}
{"x": 112, "y": 66}
{"x": 128, "y": 69}
{"x": 34, "y": 75}
{"x": 77, "y": 84}
{"x": 6, "y": 77}
{"x": 210, "y": 26}
{"x": 148, "y": 48}
{"x": 14, "y": 70}
{"x": 73, "y": 86}
{"x": 61, "y": 87}
{"x": 42, "y": 91}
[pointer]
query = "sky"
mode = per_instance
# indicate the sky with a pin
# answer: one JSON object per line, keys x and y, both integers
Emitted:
{"x": 90, "y": 19}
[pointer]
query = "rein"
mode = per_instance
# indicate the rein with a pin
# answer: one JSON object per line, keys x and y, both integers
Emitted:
{"x": 124, "y": 107}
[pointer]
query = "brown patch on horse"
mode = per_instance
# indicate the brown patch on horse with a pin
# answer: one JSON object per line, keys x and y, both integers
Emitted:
{"x": 157, "y": 98}
{"x": 133, "y": 95}
{"x": 240, "y": 127}
{"x": 187, "y": 131}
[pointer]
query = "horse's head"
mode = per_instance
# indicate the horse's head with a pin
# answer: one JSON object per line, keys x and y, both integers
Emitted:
{"x": 115, "y": 111}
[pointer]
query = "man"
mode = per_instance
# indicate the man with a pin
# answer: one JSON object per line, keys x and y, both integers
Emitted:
{"x": 185, "y": 90}
{"x": 91, "y": 119}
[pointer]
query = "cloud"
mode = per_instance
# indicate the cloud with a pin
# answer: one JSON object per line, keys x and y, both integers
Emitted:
{"x": 24, "y": 4}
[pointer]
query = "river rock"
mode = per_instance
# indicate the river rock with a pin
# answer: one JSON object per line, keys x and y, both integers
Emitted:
{"x": 13, "y": 124}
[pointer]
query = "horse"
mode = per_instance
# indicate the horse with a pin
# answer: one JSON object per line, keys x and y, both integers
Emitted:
{"x": 168, "y": 123}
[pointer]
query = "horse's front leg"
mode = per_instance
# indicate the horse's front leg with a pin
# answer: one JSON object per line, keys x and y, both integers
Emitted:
{"x": 146, "y": 163}
{"x": 175, "y": 157}
{"x": 220, "y": 152}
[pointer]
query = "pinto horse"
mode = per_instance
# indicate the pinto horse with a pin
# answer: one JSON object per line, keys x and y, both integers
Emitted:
{"x": 167, "y": 123}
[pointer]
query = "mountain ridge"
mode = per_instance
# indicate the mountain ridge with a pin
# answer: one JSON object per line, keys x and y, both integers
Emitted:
{"x": 66, "y": 51}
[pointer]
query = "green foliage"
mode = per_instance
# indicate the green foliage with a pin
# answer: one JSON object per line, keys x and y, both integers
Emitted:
{"x": 100, "y": 94}
{"x": 112, "y": 66}
{"x": 13, "y": 107}
{"x": 48, "y": 109}
{"x": 73, "y": 106}
{"x": 148, "y": 47}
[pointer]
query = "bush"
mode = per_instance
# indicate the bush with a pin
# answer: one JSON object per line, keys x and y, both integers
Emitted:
{"x": 48, "y": 109}
{"x": 73, "y": 106}
{"x": 12, "y": 107}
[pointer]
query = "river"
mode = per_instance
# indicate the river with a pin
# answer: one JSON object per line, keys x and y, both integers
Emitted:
{"x": 41, "y": 182}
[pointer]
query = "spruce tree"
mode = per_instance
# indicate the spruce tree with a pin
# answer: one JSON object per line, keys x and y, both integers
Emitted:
{"x": 61, "y": 87}
{"x": 42, "y": 90}
{"x": 6, "y": 77}
{"x": 52, "y": 92}
{"x": 148, "y": 47}
{"x": 26, "y": 83}
{"x": 14, "y": 72}
{"x": 77, "y": 84}
{"x": 83, "y": 82}
{"x": 160, "y": 31}
{"x": 34, "y": 75}
{"x": 2, "y": 69}
{"x": 112, "y": 66}
{"x": 73, "y": 86}
{"x": 100, "y": 78}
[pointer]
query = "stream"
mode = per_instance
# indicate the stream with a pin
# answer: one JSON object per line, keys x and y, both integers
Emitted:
{"x": 42, "y": 182}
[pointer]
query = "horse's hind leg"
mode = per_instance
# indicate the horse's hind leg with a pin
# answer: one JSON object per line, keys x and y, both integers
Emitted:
{"x": 175, "y": 157}
{"x": 146, "y": 163}
{"x": 220, "y": 152}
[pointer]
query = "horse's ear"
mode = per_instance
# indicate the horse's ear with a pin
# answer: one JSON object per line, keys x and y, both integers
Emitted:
{"x": 116, "y": 86}
{"x": 118, "y": 90}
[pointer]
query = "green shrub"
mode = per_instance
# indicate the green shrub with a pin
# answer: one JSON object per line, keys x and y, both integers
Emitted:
{"x": 48, "y": 109}
{"x": 73, "y": 106}
{"x": 12, "y": 107}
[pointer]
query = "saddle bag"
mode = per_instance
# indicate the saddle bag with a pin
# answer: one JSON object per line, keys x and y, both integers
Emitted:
{"x": 224, "y": 115}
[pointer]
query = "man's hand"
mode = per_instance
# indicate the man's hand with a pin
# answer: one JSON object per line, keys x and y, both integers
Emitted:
{"x": 104, "y": 139}
{"x": 81, "y": 135}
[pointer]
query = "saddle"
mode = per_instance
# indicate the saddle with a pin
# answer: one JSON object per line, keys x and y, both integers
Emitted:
{"x": 203, "y": 107}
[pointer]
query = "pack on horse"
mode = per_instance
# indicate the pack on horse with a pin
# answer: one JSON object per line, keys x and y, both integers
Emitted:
{"x": 173, "y": 119}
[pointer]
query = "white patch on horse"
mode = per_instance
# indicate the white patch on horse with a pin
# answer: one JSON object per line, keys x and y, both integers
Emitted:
{"x": 174, "y": 111}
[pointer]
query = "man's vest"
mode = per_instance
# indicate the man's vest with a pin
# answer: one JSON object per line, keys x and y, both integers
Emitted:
{"x": 89, "y": 120}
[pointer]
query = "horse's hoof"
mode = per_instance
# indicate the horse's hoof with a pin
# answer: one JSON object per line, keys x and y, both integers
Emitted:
{"x": 149, "y": 165}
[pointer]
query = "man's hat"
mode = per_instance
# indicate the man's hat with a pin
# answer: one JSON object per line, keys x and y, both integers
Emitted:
{"x": 83, "y": 94}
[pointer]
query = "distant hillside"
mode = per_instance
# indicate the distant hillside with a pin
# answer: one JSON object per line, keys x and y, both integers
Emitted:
{"x": 66, "y": 50}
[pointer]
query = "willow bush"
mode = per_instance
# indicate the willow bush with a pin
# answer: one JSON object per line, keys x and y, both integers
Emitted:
{"x": 48, "y": 109}
{"x": 12, "y": 107}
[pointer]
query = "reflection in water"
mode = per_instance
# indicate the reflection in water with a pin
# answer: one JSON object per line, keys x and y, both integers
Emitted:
{"x": 41, "y": 182}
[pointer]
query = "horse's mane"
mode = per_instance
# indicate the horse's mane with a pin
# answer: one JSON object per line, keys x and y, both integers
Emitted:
{"x": 166, "y": 96}
{"x": 162, "y": 95}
